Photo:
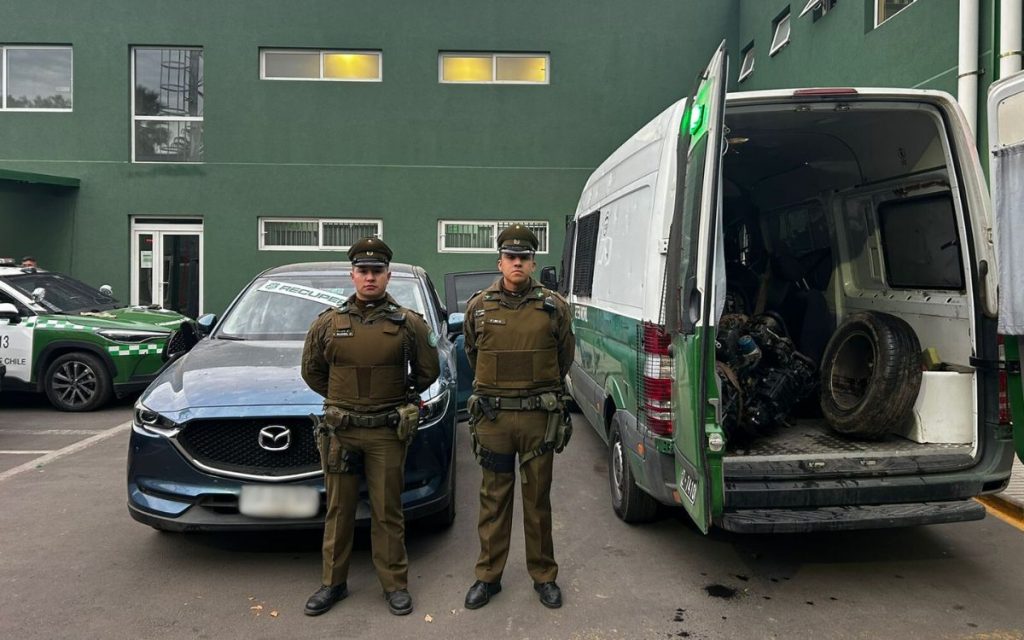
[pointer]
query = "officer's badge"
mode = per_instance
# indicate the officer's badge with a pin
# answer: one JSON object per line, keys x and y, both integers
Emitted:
{"x": 432, "y": 339}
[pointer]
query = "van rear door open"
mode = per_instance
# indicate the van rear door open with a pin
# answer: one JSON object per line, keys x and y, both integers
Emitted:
{"x": 1006, "y": 180}
{"x": 690, "y": 313}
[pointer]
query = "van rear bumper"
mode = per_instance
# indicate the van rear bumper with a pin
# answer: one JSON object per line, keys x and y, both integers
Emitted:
{"x": 848, "y": 518}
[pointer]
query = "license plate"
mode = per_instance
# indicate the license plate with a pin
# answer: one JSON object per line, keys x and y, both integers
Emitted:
{"x": 261, "y": 501}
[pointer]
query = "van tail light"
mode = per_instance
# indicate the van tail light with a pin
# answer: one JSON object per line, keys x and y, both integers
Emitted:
{"x": 655, "y": 369}
{"x": 1004, "y": 393}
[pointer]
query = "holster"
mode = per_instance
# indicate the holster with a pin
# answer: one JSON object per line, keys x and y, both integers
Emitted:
{"x": 334, "y": 458}
{"x": 478, "y": 408}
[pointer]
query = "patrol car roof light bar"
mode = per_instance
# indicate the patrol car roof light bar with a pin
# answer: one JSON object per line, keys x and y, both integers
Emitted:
{"x": 656, "y": 380}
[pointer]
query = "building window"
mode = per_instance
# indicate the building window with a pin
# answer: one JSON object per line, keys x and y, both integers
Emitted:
{"x": 305, "y": 64}
{"x": 481, "y": 236}
{"x": 818, "y": 8}
{"x": 35, "y": 78}
{"x": 747, "y": 66}
{"x": 494, "y": 68}
{"x": 315, "y": 234}
{"x": 780, "y": 29}
{"x": 167, "y": 105}
{"x": 885, "y": 9}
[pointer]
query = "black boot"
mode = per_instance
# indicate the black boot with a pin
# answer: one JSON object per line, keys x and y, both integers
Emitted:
{"x": 399, "y": 602}
{"x": 550, "y": 594}
{"x": 324, "y": 599}
{"x": 480, "y": 593}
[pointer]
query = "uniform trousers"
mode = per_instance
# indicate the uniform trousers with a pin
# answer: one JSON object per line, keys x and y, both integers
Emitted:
{"x": 384, "y": 462}
{"x": 516, "y": 432}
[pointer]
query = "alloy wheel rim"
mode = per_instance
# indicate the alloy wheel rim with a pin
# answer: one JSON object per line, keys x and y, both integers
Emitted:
{"x": 75, "y": 383}
{"x": 617, "y": 470}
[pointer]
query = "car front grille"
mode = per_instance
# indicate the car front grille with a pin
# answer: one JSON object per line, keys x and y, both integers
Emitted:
{"x": 233, "y": 446}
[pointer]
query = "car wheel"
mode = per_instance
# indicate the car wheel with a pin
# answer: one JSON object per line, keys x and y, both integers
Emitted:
{"x": 629, "y": 501}
{"x": 77, "y": 381}
{"x": 870, "y": 375}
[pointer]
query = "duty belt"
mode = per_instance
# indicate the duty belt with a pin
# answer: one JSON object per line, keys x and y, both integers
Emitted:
{"x": 371, "y": 421}
{"x": 529, "y": 403}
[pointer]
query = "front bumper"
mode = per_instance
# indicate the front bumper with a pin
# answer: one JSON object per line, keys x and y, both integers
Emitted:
{"x": 166, "y": 491}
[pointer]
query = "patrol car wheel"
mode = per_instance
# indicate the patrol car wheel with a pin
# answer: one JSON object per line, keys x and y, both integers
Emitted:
{"x": 77, "y": 381}
{"x": 629, "y": 501}
{"x": 870, "y": 375}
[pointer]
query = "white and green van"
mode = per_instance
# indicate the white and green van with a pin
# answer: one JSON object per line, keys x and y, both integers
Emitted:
{"x": 785, "y": 311}
{"x": 76, "y": 343}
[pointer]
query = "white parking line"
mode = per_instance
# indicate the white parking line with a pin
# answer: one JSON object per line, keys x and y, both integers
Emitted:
{"x": 49, "y": 432}
{"x": 20, "y": 452}
{"x": 68, "y": 450}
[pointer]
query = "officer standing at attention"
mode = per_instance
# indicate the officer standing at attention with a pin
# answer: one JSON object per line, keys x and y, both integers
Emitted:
{"x": 370, "y": 358}
{"x": 520, "y": 344}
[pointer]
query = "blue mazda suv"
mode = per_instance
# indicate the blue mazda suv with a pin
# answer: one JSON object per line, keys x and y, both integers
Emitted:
{"x": 222, "y": 439}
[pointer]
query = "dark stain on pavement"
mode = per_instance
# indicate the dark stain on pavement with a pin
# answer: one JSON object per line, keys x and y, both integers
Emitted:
{"x": 720, "y": 591}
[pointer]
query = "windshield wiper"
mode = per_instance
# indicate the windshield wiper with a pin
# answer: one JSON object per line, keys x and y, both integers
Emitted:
{"x": 225, "y": 336}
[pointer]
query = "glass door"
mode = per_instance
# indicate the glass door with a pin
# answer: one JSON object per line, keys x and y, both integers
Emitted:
{"x": 167, "y": 265}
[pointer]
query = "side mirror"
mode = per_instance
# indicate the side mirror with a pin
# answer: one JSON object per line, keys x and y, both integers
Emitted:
{"x": 549, "y": 278}
{"x": 455, "y": 323}
{"x": 38, "y": 294}
{"x": 10, "y": 313}
{"x": 205, "y": 323}
{"x": 106, "y": 289}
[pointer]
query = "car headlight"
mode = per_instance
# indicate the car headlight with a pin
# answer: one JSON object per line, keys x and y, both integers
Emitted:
{"x": 131, "y": 335}
{"x": 151, "y": 422}
{"x": 435, "y": 406}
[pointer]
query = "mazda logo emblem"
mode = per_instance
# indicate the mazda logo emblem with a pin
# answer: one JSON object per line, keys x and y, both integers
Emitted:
{"x": 275, "y": 437}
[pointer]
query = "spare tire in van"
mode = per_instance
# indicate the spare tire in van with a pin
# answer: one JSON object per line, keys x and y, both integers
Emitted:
{"x": 870, "y": 374}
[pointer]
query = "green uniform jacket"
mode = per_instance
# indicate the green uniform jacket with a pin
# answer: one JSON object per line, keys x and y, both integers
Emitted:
{"x": 518, "y": 345}
{"x": 356, "y": 358}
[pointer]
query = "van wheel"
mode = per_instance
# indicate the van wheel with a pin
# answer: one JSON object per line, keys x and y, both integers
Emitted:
{"x": 629, "y": 501}
{"x": 77, "y": 381}
{"x": 870, "y": 374}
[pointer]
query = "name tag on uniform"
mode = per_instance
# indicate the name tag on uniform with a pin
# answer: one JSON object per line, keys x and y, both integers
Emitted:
{"x": 343, "y": 333}
{"x": 495, "y": 321}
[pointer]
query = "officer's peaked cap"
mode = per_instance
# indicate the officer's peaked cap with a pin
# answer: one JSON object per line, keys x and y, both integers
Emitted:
{"x": 370, "y": 252}
{"x": 517, "y": 240}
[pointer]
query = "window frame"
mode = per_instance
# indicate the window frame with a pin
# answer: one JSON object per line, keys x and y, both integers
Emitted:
{"x": 5, "y": 76}
{"x": 588, "y": 230}
{"x": 776, "y": 46}
{"x": 261, "y": 232}
{"x": 493, "y": 55}
{"x": 878, "y": 11}
{"x": 748, "y": 52}
{"x": 322, "y": 52}
{"x": 442, "y": 236}
{"x": 135, "y": 117}
{"x": 820, "y": 8}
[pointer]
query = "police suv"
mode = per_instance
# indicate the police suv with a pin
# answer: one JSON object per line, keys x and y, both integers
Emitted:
{"x": 75, "y": 343}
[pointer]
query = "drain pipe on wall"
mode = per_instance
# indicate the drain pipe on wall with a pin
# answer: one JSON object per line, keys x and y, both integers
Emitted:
{"x": 1009, "y": 37}
{"x": 967, "y": 78}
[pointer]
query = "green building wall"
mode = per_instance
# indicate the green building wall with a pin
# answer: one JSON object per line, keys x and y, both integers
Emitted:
{"x": 407, "y": 150}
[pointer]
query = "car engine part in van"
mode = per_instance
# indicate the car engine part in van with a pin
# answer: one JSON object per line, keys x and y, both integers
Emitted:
{"x": 763, "y": 375}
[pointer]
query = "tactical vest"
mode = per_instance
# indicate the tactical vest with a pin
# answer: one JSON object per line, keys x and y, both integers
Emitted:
{"x": 517, "y": 349}
{"x": 369, "y": 361}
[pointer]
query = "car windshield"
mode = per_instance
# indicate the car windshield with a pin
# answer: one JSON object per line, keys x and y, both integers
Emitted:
{"x": 63, "y": 294}
{"x": 283, "y": 307}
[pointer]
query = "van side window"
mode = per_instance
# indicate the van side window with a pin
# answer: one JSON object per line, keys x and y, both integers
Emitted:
{"x": 586, "y": 252}
{"x": 921, "y": 244}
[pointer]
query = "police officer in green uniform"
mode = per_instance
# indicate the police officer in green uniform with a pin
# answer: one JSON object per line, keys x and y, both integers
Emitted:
{"x": 358, "y": 356}
{"x": 520, "y": 344}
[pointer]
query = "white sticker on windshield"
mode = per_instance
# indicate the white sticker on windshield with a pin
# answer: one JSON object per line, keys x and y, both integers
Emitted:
{"x": 307, "y": 293}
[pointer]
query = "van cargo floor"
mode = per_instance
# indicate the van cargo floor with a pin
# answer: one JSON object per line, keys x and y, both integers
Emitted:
{"x": 814, "y": 438}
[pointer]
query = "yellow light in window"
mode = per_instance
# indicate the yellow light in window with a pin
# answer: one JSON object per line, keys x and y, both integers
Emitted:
{"x": 522, "y": 69}
{"x": 466, "y": 69}
{"x": 352, "y": 66}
